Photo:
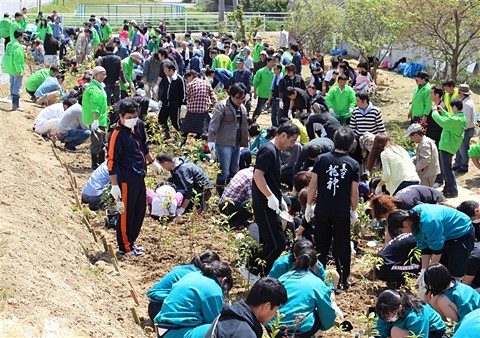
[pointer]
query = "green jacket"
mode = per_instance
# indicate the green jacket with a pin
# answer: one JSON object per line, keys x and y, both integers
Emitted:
{"x": 257, "y": 48}
{"x": 341, "y": 101}
{"x": 36, "y": 79}
{"x": 106, "y": 32}
{"x": 14, "y": 59}
{"x": 452, "y": 133}
{"x": 131, "y": 33}
{"x": 41, "y": 32}
{"x": 24, "y": 22}
{"x": 233, "y": 65}
{"x": 94, "y": 100}
{"x": 96, "y": 38}
{"x": 127, "y": 65}
{"x": 421, "y": 101}
{"x": 262, "y": 81}
{"x": 221, "y": 61}
{"x": 5, "y": 24}
{"x": 153, "y": 47}
{"x": 13, "y": 27}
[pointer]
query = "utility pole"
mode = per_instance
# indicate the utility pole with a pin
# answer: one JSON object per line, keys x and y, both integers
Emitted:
{"x": 221, "y": 14}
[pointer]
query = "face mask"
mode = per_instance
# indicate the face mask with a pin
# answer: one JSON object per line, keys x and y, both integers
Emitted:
{"x": 130, "y": 123}
{"x": 393, "y": 319}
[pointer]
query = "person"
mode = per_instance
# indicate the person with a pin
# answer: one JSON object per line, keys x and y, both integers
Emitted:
{"x": 164, "y": 200}
{"x": 474, "y": 154}
{"x": 299, "y": 102}
{"x": 245, "y": 318}
{"x": 71, "y": 129}
{"x": 172, "y": 98}
{"x": 297, "y": 58}
{"x": 288, "y": 159}
{"x": 274, "y": 99}
{"x": 449, "y": 297}
{"x": 450, "y": 141}
{"x": 236, "y": 199}
{"x": 366, "y": 117}
{"x": 450, "y": 94}
{"x": 94, "y": 114}
{"x": 220, "y": 60}
{"x": 57, "y": 28}
{"x": 151, "y": 75}
{"x": 51, "y": 50}
{"x": 461, "y": 159}
{"x": 128, "y": 154}
{"x": 341, "y": 100}
{"x": 401, "y": 315}
{"x": 243, "y": 75}
{"x": 471, "y": 323}
{"x": 81, "y": 47}
{"x": 93, "y": 191}
{"x": 115, "y": 74}
{"x": 13, "y": 64}
{"x": 106, "y": 30}
{"x": 200, "y": 95}
{"x": 219, "y": 75}
{"x": 398, "y": 170}
{"x": 50, "y": 90}
{"x": 421, "y": 101}
{"x": 153, "y": 45}
{"x": 310, "y": 152}
{"x": 189, "y": 179}
{"x": 317, "y": 101}
{"x": 292, "y": 79}
{"x": 322, "y": 125}
{"x": 334, "y": 182}
{"x": 472, "y": 270}
{"x": 160, "y": 290}
{"x": 5, "y": 24}
{"x": 46, "y": 122}
{"x": 283, "y": 38}
{"x": 308, "y": 298}
{"x": 434, "y": 131}
{"x": 262, "y": 84}
{"x": 43, "y": 29}
{"x": 397, "y": 259}
{"x": 194, "y": 302}
{"x": 258, "y": 47}
{"x": 266, "y": 197}
{"x": 128, "y": 64}
{"x": 472, "y": 209}
{"x": 426, "y": 155}
{"x": 15, "y": 25}
{"x": 227, "y": 132}
{"x": 443, "y": 234}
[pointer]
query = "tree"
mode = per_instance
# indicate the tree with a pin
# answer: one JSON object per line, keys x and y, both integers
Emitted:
{"x": 369, "y": 28}
{"x": 315, "y": 24}
{"x": 268, "y": 5}
{"x": 244, "y": 29}
{"x": 449, "y": 30}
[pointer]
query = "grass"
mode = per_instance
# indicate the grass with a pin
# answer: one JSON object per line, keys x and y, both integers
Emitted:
{"x": 4, "y": 295}
{"x": 70, "y": 6}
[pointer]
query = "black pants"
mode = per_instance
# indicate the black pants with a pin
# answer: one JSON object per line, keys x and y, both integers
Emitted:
{"x": 113, "y": 93}
{"x": 238, "y": 212}
{"x": 260, "y": 104}
{"x": 272, "y": 238}
{"x": 154, "y": 308}
{"x": 135, "y": 202}
{"x": 405, "y": 184}
{"x": 456, "y": 252}
{"x": 169, "y": 110}
{"x": 338, "y": 229}
{"x": 310, "y": 333}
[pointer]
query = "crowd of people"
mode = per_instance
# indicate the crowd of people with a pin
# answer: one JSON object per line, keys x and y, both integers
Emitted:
{"x": 306, "y": 173}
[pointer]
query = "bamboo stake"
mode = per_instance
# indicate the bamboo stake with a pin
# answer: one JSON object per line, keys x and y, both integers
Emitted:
{"x": 105, "y": 245}
{"x": 114, "y": 257}
{"x": 135, "y": 315}
{"x": 134, "y": 296}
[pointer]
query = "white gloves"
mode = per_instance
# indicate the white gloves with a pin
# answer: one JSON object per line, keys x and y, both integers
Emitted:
{"x": 378, "y": 190}
{"x": 353, "y": 217}
{"x": 290, "y": 116}
{"x": 160, "y": 104}
{"x": 421, "y": 280}
{"x": 338, "y": 311}
{"x": 211, "y": 146}
{"x": 180, "y": 211}
{"x": 157, "y": 167}
{"x": 284, "y": 205}
{"x": 331, "y": 111}
{"x": 309, "y": 213}
{"x": 407, "y": 106}
{"x": 280, "y": 105}
{"x": 116, "y": 192}
{"x": 146, "y": 87}
{"x": 273, "y": 203}
{"x": 155, "y": 89}
{"x": 247, "y": 97}
{"x": 434, "y": 107}
{"x": 94, "y": 125}
{"x": 120, "y": 207}
{"x": 350, "y": 110}
{"x": 183, "y": 108}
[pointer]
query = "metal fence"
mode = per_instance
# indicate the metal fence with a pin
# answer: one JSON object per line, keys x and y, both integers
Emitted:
{"x": 141, "y": 9}
{"x": 177, "y": 22}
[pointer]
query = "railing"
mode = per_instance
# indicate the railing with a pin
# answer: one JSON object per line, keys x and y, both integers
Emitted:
{"x": 175, "y": 22}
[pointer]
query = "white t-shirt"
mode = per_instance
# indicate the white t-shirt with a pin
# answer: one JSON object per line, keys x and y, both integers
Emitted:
{"x": 164, "y": 202}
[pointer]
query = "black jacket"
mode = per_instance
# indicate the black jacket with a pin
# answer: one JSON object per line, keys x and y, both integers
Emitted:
{"x": 174, "y": 92}
{"x": 236, "y": 321}
{"x": 328, "y": 122}
{"x": 297, "y": 81}
{"x": 113, "y": 66}
{"x": 188, "y": 177}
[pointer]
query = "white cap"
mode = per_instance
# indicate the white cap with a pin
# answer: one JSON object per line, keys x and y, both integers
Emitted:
{"x": 97, "y": 70}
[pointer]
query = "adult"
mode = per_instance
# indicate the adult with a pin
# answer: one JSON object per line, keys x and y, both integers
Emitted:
{"x": 194, "y": 302}
{"x": 13, "y": 64}
{"x": 398, "y": 170}
{"x": 128, "y": 64}
{"x": 128, "y": 154}
{"x": 471, "y": 323}
{"x": 57, "y": 28}
{"x": 291, "y": 79}
{"x": 421, "y": 102}
{"x": 274, "y": 99}
{"x": 161, "y": 289}
{"x": 366, "y": 117}
{"x": 94, "y": 114}
{"x": 46, "y": 122}
{"x": 51, "y": 50}
{"x": 443, "y": 234}
{"x": 450, "y": 141}
{"x": 243, "y": 75}
{"x": 283, "y": 38}
{"x": 190, "y": 179}
{"x": 173, "y": 97}
{"x": 262, "y": 84}
{"x": 257, "y": 49}
{"x": 15, "y": 25}
{"x": 474, "y": 154}
{"x": 426, "y": 155}
{"x": 266, "y": 197}
{"x": 299, "y": 102}
{"x": 310, "y": 152}
{"x": 317, "y": 100}
{"x": 341, "y": 100}
{"x": 434, "y": 131}
{"x": 297, "y": 58}
{"x": 92, "y": 192}
{"x": 115, "y": 75}
{"x": 450, "y": 94}
{"x": 246, "y": 318}
{"x": 106, "y": 30}
{"x": 82, "y": 45}
{"x": 71, "y": 129}
{"x": 219, "y": 75}
{"x": 200, "y": 95}
{"x": 153, "y": 45}
{"x": 50, "y": 90}
{"x": 335, "y": 184}
{"x": 43, "y": 29}
{"x": 227, "y": 132}
{"x": 322, "y": 125}
{"x": 5, "y": 24}
{"x": 470, "y": 113}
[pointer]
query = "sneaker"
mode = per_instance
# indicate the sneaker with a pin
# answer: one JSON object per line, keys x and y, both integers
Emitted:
{"x": 135, "y": 253}
{"x": 247, "y": 274}
{"x": 139, "y": 248}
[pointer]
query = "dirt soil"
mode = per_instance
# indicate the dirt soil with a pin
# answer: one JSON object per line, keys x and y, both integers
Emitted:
{"x": 56, "y": 281}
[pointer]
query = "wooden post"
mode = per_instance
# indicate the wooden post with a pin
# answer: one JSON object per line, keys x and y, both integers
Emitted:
{"x": 114, "y": 257}
{"x": 134, "y": 296}
{"x": 135, "y": 315}
{"x": 155, "y": 326}
{"x": 105, "y": 245}
{"x": 77, "y": 201}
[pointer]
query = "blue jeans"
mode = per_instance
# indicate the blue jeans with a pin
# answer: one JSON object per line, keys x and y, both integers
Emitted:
{"x": 448, "y": 175}
{"x": 275, "y": 112}
{"x": 75, "y": 137}
{"x": 15, "y": 84}
{"x": 229, "y": 158}
{"x": 461, "y": 160}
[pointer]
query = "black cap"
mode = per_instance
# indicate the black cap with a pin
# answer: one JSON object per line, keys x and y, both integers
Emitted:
{"x": 423, "y": 75}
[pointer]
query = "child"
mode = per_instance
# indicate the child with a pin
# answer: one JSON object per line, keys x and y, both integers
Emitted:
{"x": 164, "y": 200}
{"x": 140, "y": 89}
{"x": 205, "y": 153}
{"x": 63, "y": 48}
{"x": 362, "y": 81}
{"x": 262, "y": 138}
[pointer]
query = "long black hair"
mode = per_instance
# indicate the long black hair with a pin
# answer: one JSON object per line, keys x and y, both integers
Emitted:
{"x": 389, "y": 301}
{"x": 306, "y": 259}
{"x": 396, "y": 218}
{"x": 219, "y": 269}
{"x": 207, "y": 257}
{"x": 437, "y": 279}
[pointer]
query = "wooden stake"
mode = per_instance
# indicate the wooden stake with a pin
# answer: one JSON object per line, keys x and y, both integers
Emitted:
{"x": 155, "y": 326}
{"x": 87, "y": 223}
{"x": 135, "y": 315}
{"x": 94, "y": 235}
{"x": 75, "y": 182}
{"x": 134, "y": 296}
{"x": 105, "y": 245}
{"x": 77, "y": 201}
{"x": 114, "y": 257}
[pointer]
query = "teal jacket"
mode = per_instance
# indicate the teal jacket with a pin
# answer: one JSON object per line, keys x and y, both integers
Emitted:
{"x": 285, "y": 263}
{"x": 421, "y": 101}
{"x": 262, "y": 81}
{"x": 341, "y": 101}
{"x": 465, "y": 298}
{"x": 469, "y": 324}
{"x": 452, "y": 130}
{"x": 438, "y": 224}
{"x": 427, "y": 320}
{"x": 162, "y": 289}
{"x": 307, "y": 295}
{"x": 194, "y": 300}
